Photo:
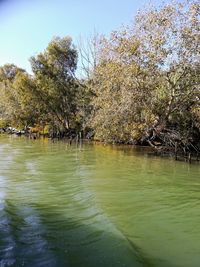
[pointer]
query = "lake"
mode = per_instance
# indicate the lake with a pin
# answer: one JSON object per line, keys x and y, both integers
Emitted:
{"x": 88, "y": 205}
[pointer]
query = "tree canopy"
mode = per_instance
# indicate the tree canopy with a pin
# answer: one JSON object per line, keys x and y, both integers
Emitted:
{"x": 146, "y": 84}
{"x": 141, "y": 83}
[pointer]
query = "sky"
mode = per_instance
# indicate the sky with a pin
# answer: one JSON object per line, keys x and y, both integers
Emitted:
{"x": 27, "y": 26}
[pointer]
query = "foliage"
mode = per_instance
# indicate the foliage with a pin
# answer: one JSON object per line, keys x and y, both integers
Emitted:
{"x": 16, "y": 100}
{"x": 51, "y": 96}
{"x": 141, "y": 84}
{"x": 56, "y": 86}
{"x": 146, "y": 84}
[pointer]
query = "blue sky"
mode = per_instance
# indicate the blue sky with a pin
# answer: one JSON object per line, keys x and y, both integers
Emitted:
{"x": 26, "y": 26}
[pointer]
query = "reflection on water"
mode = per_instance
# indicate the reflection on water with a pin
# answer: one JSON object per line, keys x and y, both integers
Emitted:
{"x": 94, "y": 205}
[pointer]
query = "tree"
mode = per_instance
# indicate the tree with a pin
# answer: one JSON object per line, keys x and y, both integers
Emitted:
{"x": 56, "y": 86}
{"x": 18, "y": 106}
{"x": 146, "y": 84}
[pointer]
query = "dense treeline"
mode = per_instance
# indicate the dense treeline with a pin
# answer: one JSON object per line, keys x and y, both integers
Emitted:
{"x": 51, "y": 96}
{"x": 141, "y": 84}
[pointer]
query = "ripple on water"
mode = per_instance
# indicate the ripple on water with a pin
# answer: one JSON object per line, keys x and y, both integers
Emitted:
{"x": 95, "y": 206}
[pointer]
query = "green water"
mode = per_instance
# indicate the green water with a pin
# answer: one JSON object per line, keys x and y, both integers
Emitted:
{"x": 94, "y": 205}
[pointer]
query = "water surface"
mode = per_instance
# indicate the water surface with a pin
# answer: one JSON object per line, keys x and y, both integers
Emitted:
{"x": 94, "y": 205}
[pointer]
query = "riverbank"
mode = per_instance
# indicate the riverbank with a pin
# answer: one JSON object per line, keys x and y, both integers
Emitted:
{"x": 161, "y": 151}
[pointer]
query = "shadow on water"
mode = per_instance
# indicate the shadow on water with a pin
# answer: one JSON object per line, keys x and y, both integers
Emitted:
{"x": 41, "y": 236}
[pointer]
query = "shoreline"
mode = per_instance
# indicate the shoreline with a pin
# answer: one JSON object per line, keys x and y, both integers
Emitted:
{"x": 163, "y": 151}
